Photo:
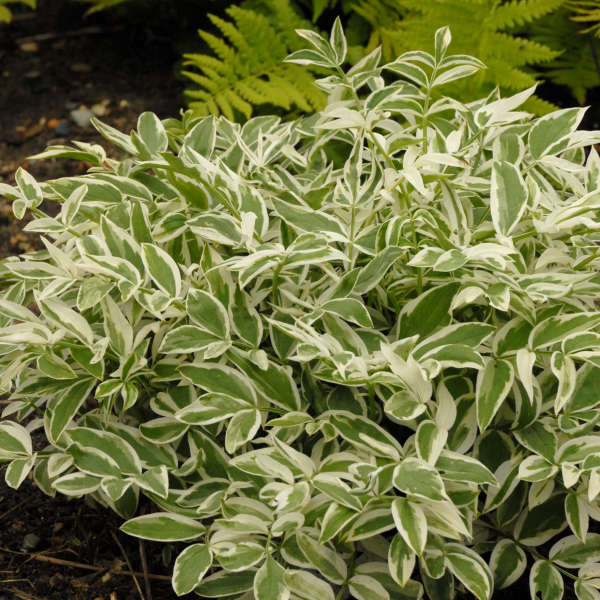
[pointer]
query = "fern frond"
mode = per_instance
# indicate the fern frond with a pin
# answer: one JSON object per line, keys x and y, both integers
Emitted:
{"x": 247, "y": 68}
{"x": 575, "y": 67}
{"x": 586, "y": 11}
{"x": 517, "y": 13}
{"x": 480, "y": 28}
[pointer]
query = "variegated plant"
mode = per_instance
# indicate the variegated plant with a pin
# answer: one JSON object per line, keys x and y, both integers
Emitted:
{"x": 350, "y": 356}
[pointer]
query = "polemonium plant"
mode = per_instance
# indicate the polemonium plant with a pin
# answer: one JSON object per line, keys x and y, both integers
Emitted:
{"x": 350, "y": 356}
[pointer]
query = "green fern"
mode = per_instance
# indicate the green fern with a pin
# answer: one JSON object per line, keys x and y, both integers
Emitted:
{"x": 481, "y": 28}
{"x": 247, "y": 68}
{"x": 587, "y": 11}
{"x": 576, "y": 66}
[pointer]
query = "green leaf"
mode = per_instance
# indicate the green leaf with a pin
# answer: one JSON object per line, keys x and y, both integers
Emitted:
{"x": 210, "y": 408}
{"x": 223, "y": 583}
{"x": 364, "y": 587}
{"x": 186, "y": 339}
{"x": 190, "y": 568}
{"x": 219, "y": 379}
{"x": 17, "y": 471}
{"x": 66, "y": 318}
{"x": 76, "y": 484}
{"x": 207, "y": 312}
{"x": 64, "y": 406}
{"x": 152, "y": 132}
{"x": 555, "y": 329}
{"x": 163, "y": 527}
{"x": 493, "y": 384}
{"x": 462, "y": 467}
{"x": 508, "y": 197}
{"x": 577, "y": 515}
{"x": 269, "y": 582}
{"x": 549, "y": 133}
{"x": 469, "y": 568}
{"x": 349, "y": 309}
{"x": 338, "y": 42}
{"x": 242, "y": 429}
{"x": 330, "y": 564}
{"x": 29, "y": 187}
{"x": 304, "y": 219}
{"x": 411, "y": 523}
{"x": 307, "y": 586}
{"x": 545, "y": 581}
{"x": 507, "y": 563}
{"x": 416, "y": 478}
{"x": 163, "y": 269}
{"x": 430, "y": 441}
{"x": 365, "y": 434}
{"x": 427, "y": 312}
{"x": 570, "y": 552}
{"x": 273, "y": 382}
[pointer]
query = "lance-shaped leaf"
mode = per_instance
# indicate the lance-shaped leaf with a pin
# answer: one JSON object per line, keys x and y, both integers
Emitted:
{"x": 269, "y": 582}
{"x": 364, "y": 587}
{"x": 206, "y": 311}
{"x": 186, "y": 339}
{"x": 273, "y": 382}
{"x": 508, "y": 197}
{"x": 190, "y": 567}
{"x": 307, "y": 586}
{"x": 565, "y": 371}
{"x": 163, "y": 527}
{"x": 242, "y": 428}
{"x": 349, "y": 309}
{"x": 163, "y": 269}
{"x": 493, "y": 384}
{"x": 64, "y": 406}
{"x": 416, "y": 478}
{"x": 545, "y": 581}
{"x": 469, "y": 568}
{"x": 219, "y": 379}
{"x": 411, "y": 523}
{"x": 507, "y": 563}
{"x": 66, "y": 318}
{"x": 152, "y": 132}
{"x": 572, "y": 553}
{"x": 549, "y": 135}
{"x": 328, "y": 562}
{"x": 555, "y": 329}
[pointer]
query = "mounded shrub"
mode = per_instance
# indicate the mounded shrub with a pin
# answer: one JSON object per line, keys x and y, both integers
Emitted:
{"x": 353, "y": 355}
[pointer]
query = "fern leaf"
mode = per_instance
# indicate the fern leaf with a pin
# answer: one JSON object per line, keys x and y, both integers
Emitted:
{"x": 518, "y": 13}
{"x": 480, "y": 28}
{"x": 246, "y": 68}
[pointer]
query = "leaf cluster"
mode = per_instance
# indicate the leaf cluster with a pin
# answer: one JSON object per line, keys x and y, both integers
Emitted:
{"x": 353, "y": 355}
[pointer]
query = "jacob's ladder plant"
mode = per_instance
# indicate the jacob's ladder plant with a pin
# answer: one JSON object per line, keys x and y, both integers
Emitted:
{"x": 350, "y": 356}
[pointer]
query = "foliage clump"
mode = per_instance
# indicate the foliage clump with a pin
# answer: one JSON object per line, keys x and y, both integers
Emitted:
{"x": 353, "y": 355}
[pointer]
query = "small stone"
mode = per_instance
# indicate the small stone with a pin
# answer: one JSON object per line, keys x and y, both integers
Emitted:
{"x": 30, "y": 541}
{"x": 99, "y": 109}
{"x": 32, "y": 74}
{"x": 82, "y": 116}
{"x": 29, "y": 47}
{"x": 62, "y": 129}
{"x": 123, "y": 104}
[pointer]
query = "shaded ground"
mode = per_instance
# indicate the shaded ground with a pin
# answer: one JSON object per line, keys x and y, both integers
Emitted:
{"x": 52, "y": 62}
